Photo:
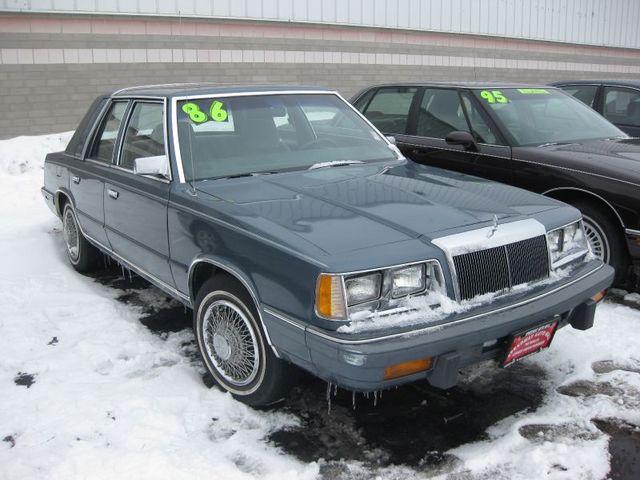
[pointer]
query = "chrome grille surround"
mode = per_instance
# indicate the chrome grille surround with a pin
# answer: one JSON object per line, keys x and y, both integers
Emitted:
{"x": 488, "y": 260}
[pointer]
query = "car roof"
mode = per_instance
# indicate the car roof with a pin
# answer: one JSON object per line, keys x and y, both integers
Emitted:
{"x": 462, "y": 84}
{"x": 623, "y": 82}
{"x": 169, "y": 90}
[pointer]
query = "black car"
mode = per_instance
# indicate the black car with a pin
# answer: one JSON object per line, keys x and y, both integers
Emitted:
{"x": 617, "y": 100}
{"x": 535, "y": 137}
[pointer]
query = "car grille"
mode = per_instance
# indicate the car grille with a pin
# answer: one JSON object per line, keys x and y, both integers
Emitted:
{"x": 503, "y": 267}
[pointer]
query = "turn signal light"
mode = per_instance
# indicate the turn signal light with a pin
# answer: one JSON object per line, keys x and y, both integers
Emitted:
{"x": 408, "y": 368}
{"x": 330, "y": 297}
{"x": 599, "y": 296}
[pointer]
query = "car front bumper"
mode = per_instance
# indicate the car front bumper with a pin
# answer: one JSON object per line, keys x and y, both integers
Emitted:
{"x": 358, "y": 363}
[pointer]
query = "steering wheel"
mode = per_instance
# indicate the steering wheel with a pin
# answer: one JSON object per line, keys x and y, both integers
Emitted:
{"x": 318, "y": 142}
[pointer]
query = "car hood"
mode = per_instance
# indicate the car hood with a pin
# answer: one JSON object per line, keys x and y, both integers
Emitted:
{"x": 615, "y": 158}
{"x": 354, "y": 207}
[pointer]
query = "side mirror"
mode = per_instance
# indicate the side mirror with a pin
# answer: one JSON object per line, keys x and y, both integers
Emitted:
{"x": 391, "y": 139}
{"x": 461, "y": 138}
{"x": 158, "y": 165}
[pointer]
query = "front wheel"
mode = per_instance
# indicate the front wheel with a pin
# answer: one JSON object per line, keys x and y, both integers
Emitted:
{"x": 232, "y": 344}
{"x": 605, "y": 238}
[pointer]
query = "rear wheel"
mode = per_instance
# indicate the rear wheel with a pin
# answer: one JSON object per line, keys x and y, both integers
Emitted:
{"x": 232, "y": 344}
{"x": 83, "y": 256}
{"x": 605, "y": 238}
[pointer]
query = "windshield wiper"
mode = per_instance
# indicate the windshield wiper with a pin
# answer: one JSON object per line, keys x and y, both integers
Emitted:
{"x": 335, "y": 163}
{"x": 551, "y": 144}
{"x": 240, "y": 175}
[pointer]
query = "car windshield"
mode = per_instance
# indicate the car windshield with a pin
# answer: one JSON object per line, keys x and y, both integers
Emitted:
{"x": 538, "y": 116}
{"x": 259, "y": 134}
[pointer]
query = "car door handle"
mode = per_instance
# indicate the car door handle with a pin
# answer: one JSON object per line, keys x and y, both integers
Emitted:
{"x": 113, "y": 194}
{"x": 75, "y": 179}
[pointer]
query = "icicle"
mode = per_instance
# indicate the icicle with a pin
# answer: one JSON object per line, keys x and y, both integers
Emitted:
{"x": 353, "y": 399}
{"x": 329, "y": 398}
{"x": 129, "y": 275}
{"x": 124, "y": 277}
{"x": 375, "y": 398}
{"x": 335, "y": 389}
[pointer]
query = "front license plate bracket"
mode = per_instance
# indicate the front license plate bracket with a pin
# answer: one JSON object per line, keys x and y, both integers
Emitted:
{"x": 529, "y": 342}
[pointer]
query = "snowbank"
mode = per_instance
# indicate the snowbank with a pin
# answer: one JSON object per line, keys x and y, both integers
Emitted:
{"x": 25, "y": 154}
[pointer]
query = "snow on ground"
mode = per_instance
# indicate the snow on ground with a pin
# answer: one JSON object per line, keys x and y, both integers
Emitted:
{"x": 88, "y": 391}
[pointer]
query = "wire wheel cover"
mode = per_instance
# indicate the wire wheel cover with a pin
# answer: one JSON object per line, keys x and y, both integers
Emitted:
{"x": 231, "y": 343}
{"x": 71, "y": 234}
{"x": 597, "y": 240}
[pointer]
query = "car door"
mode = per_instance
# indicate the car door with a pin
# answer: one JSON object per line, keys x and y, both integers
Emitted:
{"x": 87, "y": 177}
{"x": 621, "y": 106}
{"x": 439, "y": 111}
{"x": 586, "y": 93}
{"x": 135, "y": 206}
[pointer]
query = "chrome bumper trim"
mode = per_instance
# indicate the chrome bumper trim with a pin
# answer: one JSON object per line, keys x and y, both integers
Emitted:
{"x": 433, "y": 328}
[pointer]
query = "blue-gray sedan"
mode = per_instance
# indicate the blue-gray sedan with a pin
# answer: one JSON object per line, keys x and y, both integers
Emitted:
{"x": 300, "y": 236}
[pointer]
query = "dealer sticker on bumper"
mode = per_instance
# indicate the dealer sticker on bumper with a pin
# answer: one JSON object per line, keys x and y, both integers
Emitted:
{"x": 529, "y": 343}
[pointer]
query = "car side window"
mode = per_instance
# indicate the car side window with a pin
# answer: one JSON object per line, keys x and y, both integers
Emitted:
{"x": 440, "y": 113}
{"x": 144, "y": 136}
{"x": 107, "y": 135}
{"x": 389, "y": 109}
{"x": 622, "y": 106}
{"x": 480, "y": 129}
{"x": 585, "y": 93}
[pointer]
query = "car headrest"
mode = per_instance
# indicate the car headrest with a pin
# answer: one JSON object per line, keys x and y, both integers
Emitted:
{"x": 157, "y": 134}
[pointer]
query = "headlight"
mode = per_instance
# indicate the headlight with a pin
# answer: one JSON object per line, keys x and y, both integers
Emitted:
{"x": 363, "y": 289}
{"x": 408, "y": 280}
{"x": 338, "y": 295}
{"x": 566, "y": 244}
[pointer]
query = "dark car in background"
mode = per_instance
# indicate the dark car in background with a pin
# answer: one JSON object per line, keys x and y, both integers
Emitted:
{"x": 617, "y": 100}
{"x": 299, "y": 234}
{"x": 534, "y": 137}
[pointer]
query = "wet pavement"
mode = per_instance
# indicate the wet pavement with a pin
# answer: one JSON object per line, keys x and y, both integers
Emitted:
{"x": 402, "y": 424}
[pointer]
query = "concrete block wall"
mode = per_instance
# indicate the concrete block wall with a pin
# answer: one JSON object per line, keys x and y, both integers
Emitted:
{"x": 52, "y": 66}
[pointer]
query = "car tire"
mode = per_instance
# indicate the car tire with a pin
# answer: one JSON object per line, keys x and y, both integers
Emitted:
{"x": 233, "y": 346}
{"x": 83, "y": 256}
{"x": 605, "y": 238}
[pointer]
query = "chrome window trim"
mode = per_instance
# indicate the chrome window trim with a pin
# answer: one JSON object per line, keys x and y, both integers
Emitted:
{"x": 434, "y": 328}
{"x": 435, "y": 147}
{"x": 176, "y": 99}
{"x": 88, "y": 142}
{"x": 153, "y": 100}
{"x": 91, "y": 137}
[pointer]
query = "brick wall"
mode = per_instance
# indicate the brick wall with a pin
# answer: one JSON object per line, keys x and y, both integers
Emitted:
{"x": 51, "y": 67}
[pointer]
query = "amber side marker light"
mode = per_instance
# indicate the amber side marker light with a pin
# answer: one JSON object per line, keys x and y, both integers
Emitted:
{"x": 599, "y": 296}
{"x": 408, "y": 368}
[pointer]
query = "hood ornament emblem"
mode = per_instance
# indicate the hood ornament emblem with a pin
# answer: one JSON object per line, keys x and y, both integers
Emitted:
{"x": 494, "y": 228}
